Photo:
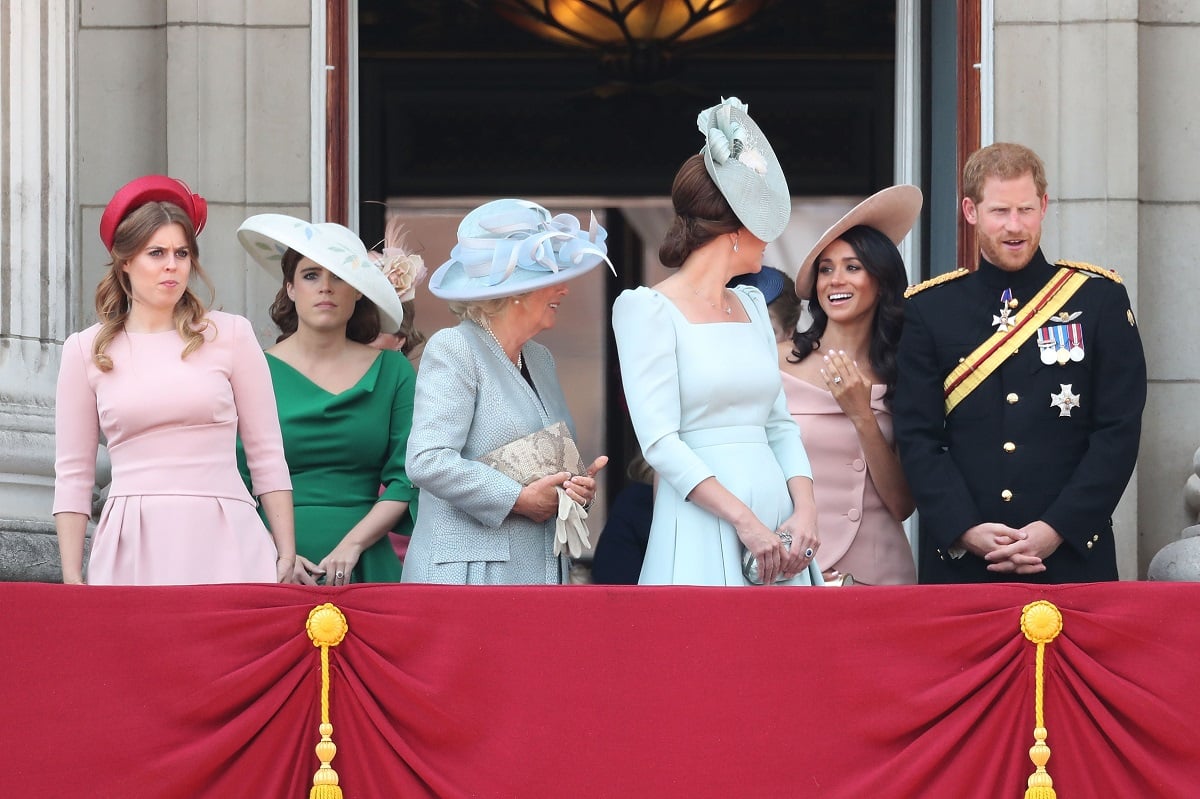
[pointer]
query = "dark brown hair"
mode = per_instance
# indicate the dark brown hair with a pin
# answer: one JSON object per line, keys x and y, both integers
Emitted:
{"x": 363, "y": 327}
{"x": 701, "y": 213}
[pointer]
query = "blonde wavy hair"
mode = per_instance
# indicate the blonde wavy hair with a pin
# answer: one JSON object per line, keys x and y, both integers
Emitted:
{"x": 481, "y": 311}
{"x": 114, "y": 294}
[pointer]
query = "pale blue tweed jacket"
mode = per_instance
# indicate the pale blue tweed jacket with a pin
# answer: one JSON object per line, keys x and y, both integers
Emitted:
{"x": 470, "y": 399}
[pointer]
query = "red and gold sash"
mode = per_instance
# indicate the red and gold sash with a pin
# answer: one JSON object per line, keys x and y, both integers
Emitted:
{"x": 988, "y": 356}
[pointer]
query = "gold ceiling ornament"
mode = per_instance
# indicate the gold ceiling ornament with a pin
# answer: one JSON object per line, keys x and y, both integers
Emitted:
{"x": 326, "y": 627}
{"x": 638, "y": 34}
{"x": 1041, "y": 622}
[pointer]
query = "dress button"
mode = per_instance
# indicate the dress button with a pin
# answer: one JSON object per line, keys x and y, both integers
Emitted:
{"x": 852, "y": 514}
{"x": 1012, "y": 399}
{"x": 859, "y": 464}
{"x": 1009, "y": 446}
{"x": 1006, "y": 495}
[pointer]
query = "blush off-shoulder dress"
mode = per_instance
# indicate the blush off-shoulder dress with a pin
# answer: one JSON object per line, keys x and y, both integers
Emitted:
{"x": 706, "y": 401}
{"x": 177, "y": 511}
{"x": 859, "y": 535}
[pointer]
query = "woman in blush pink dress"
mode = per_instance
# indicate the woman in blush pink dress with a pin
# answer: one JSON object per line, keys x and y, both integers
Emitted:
{"x": 170, "y": 385}
{"x": 839, "y": 375}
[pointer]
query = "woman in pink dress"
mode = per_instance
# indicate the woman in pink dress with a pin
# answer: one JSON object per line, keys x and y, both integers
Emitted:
{"x": 170, "y": 384}
{"x": 839, "y": 376}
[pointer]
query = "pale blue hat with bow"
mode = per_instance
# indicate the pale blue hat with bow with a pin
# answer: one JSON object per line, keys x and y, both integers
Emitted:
{"x": 509, "y": 247}
{"x": 741, "y": 162}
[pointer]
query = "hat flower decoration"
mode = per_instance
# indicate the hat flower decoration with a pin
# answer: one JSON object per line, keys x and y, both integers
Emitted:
{"x": 727, "y": 138}
{"x": 740, "y": 161}
{"x": 404, "y": 270}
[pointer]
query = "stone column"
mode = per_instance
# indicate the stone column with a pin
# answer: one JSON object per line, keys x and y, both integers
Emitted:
{"x": 1066, "y": 84}
{"x": 37, "y": 250}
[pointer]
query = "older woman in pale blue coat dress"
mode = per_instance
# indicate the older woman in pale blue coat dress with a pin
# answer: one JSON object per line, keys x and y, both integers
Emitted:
{"x": 486, "y": 383}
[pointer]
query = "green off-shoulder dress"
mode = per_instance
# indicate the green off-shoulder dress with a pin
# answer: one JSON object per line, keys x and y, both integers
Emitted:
{"x": 340, "y": 449}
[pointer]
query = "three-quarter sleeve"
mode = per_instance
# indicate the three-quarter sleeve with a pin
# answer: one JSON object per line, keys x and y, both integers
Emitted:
{"x": 76, "y": 431}
{"x": 258, "y": 416}
{"x": 397, "y": 484}
{"x": 444, "y": 412}
{"x": 645, "y": 336}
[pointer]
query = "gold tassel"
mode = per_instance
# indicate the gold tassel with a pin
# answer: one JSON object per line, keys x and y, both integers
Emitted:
{"x": 326, "y": 627}
{"x": 1041, "y": 622}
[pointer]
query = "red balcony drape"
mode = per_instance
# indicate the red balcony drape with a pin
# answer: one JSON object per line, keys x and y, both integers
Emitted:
{"x": 598, "y": 692}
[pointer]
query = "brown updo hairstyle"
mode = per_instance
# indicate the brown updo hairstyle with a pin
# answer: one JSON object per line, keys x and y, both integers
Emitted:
{"x": 114, "y": 294}
{"x": 363, "y": 327}
{"x": 701, "y": 213}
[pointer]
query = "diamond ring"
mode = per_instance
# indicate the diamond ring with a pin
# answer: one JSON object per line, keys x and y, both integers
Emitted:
{"x": 837, "y": 380}
{"x": 785, "y": 537}
{"x": 338, "y": 575}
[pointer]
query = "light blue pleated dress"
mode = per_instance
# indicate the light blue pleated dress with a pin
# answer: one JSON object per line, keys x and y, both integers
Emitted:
{"x": 707, "y": 401}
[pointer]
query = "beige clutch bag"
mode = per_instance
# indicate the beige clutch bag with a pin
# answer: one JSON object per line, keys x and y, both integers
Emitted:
{"x": 536, "y": 455}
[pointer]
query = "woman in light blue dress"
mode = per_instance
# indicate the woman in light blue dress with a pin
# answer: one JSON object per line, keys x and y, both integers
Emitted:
{"x": 701, "y": 377}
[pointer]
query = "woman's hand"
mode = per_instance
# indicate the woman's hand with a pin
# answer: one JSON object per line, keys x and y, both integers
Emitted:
{"x": 766, "y": 547}
{"x": 305, "y": 572}
{"x": 849, "y": 386}
{"x": 802, "y": 527}
{"x": 539, "y": 500}
{"x": 582, "y": 487}
{"x": 339, "y": 564}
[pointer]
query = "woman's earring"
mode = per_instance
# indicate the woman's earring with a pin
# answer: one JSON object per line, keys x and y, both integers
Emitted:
{"x": 735, "y": 241}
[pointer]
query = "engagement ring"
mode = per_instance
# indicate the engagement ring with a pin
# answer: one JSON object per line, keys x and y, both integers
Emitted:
{"x": 837, "y": 379}
{"x": 338, "y": 575}
{"x": 808, "y": 553}
{"x": 785, "y": 537}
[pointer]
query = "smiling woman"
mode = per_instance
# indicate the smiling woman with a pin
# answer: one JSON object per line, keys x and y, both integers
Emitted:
{"x": 839, "y": 375}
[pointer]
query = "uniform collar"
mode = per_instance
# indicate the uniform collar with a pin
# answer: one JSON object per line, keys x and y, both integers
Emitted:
{"x": 1034, "y": 275}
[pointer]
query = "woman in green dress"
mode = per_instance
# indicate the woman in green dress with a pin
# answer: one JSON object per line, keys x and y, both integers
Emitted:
{"x": 345, "y": 408}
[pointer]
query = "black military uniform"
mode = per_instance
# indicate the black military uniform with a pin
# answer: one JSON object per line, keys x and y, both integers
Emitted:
{"x": 1051, "y": 434}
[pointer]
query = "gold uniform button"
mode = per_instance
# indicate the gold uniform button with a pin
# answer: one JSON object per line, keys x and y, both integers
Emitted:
{"x": 1091, "y": 544}
{"x": 1006, "y": 495}
{"x": 1096, "y": 538}
{"x": 1012, "y": 399}
{"x": 1009, "y": 446}
{"x": 960, "y": 360}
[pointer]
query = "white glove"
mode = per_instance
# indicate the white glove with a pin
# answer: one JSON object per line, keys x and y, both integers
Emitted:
{"x": 570, "y": 529}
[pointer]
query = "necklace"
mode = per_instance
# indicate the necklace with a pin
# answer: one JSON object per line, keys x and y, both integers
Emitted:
{"x": 520, "y": 361}
{"x": 727, "y": 309}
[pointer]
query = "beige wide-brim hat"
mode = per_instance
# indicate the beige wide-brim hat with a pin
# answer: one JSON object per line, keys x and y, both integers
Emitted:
{"x": 332, "y": 246}
{"x": 892, "y": 211}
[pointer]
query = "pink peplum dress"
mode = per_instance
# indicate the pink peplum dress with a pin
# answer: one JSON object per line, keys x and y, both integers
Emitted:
{"x": 177, "y": 511}
{"x": 859, "y": 536}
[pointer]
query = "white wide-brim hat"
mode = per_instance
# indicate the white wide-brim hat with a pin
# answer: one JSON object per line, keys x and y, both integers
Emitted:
{"x": 892, "y": 211}
{"x": 740, "y": 161}
{"x": 329, "y": 245}
{"x": 509, "y": 247}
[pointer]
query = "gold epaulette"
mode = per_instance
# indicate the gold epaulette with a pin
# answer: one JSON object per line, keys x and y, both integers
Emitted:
{"x": 935, "y": 281}
{"x": 1111, "y": 274}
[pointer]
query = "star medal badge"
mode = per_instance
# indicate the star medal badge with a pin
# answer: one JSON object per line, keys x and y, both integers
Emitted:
{"x": 1065, "y": 400}
{"x": 1002, "y": 322}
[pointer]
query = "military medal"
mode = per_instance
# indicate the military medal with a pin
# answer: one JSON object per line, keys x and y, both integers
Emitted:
{"x": 1075, "y": 341}
{"x": 1047, "y": 345}
{"x": 1065, "y": 400}
{"x": 1001, "y": 322}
